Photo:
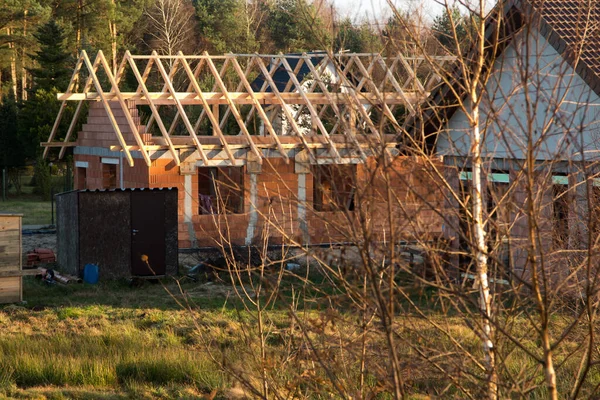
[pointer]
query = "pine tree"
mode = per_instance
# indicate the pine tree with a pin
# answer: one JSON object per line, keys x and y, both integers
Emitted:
{"x": 11, "y": 147}
{"x": 53, "y": 59}
{"x": 442, "y": 28}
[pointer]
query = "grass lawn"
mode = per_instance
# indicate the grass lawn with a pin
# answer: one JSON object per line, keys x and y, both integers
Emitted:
{"x": 35, "y": 212}
{"x": 107, "y": 341}
{"x": 113, "y": 341}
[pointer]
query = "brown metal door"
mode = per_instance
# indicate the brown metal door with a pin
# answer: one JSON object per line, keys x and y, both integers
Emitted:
{"x": 148, "y": 233}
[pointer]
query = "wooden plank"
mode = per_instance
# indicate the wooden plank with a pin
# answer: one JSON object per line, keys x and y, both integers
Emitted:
{"x": 191, "y": 98}
{"x": 124, "y": 106}
{"x": 10, "y": 289}
{"x": 214, "y": 119}
{"x": 234, "y": 110}
{"x": 8, "y": 222}
{"x": 180, "y": 108}
{"x": 153, "y": 109}
{"x": 107, "y": 109}
{"x": 21, "y": 272}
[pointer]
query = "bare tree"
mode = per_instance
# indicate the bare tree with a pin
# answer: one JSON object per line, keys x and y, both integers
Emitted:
{"x": 170, "y": 25}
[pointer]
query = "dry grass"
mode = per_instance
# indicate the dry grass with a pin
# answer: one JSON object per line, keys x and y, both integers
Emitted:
{"x": 111, "y": 341}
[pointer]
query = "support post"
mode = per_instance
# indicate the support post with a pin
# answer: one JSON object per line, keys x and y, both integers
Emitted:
{"x": 188, "y": 211}
{"x": 121, "y": 183}
{"x": 253, "y": 167}
{"x": 3, "y": 184}
{"x": 302, "y": 169}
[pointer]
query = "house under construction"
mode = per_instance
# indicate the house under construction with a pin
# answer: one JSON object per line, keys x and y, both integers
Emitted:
{"x": 274, "y": 147}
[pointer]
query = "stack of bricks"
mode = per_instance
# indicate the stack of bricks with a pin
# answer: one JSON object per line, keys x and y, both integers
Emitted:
{"x": 98, "y": 131}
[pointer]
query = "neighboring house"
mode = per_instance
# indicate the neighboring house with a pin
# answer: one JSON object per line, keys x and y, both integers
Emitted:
{"x": 541, "y": 103}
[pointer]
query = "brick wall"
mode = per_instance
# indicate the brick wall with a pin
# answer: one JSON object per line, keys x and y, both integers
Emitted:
{"x": 98, "y": 131}
{"x": 133, "y": 177}
{"x": 276, "y": 218}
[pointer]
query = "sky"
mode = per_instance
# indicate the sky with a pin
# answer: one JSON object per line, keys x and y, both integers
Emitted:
{"x": 379, "y": 9}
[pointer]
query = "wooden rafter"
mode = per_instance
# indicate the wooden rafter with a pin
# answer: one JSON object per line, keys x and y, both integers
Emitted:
{"x": 207, "y": 109}
{"x": 336, "y": 105}
{"x": 180, "y": 109}
{"x": 206, "y": 97}
{"x": 106, "y": 105}
{"x": 63, "y": 105}
{"x": 285, "y": 109}
{"x": 314, "y": 114}
{"x": 132, "y": 125}
{"x": 234, "y": 110}
{"x": 153, "y": 109}
{"x": 260, "y": 110}
{"x": 325, "y": 90}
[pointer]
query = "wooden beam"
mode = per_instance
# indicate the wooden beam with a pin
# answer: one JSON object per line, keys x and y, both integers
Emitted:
{"x": 189, "y": 88}
{"x": 63, "y": 105}
{"x": 21, "y": 272}
{"x": 336, "y": 110}
{"x": 259, "y": 108}
{"x": 124, "y": 106}
{"x": 107, "y": 109}
{"x": 240, "y": 86}
{"x": 234, "y": 110}
{"x": 262, "y": 88}
{"x": 57, "y": 144}
{"x": 214, "y": 88}
{"x": 313, "y": 113}
{"x": 191, "y": 98}
{"x": 172, "y": 72}
{"x": 284, "y": 108}
{"x": 214, "y": 119}
{"x": 186, "y": 121}
{"x": 159, "y": 122}
{"x": 386, "y": 109}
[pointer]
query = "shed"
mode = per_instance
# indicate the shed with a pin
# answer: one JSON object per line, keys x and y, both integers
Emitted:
{"x": 131, "y": 232}
{"x": 11, "y": 281}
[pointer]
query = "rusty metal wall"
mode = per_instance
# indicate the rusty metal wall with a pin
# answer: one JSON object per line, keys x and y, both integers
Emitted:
{"x": 105, "y": 232}
{"x": 95, "y": 227}
{"x": 67, "y": 232}
{"x": 171, "y": 235}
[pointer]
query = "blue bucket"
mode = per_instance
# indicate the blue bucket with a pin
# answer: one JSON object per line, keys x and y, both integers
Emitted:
{"x": 90, "y": 273}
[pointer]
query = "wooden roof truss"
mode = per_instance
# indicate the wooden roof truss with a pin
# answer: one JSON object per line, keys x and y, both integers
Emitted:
{"x": 232, "y": 94}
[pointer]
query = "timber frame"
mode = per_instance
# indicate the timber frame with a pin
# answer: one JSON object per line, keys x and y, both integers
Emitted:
{"x": 333, "y": 104}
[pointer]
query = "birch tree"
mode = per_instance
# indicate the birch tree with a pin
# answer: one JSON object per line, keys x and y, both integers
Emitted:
{"x": 170, "y": 26}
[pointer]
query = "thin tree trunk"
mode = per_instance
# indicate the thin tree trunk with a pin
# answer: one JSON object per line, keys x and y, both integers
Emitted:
{"x": 79, "y": 24}
{"x": 481, "y": 258}
{"x": 13, "y": 63}
{"x": 112, "y": 27}
{"x": 23, "y": 55}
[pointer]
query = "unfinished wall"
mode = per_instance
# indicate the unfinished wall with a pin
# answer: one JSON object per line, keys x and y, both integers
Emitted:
{"x": 271, "y": 209}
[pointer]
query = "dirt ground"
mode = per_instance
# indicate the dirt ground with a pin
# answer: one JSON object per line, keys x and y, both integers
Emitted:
{"x": 35, "y": 241}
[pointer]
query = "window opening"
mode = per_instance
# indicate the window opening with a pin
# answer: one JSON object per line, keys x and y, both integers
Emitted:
{"x": 221, "y": 190}
{"x": 334, "y": 187}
